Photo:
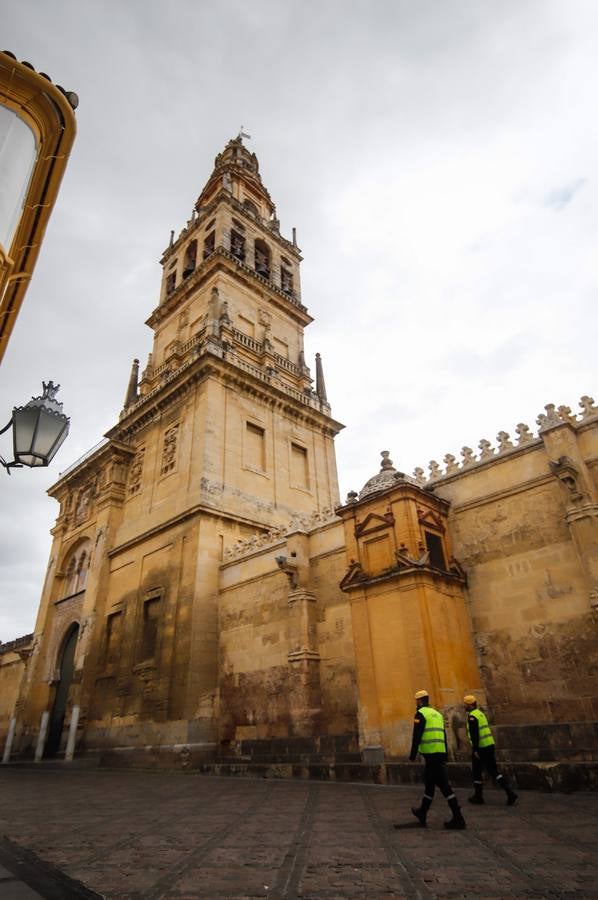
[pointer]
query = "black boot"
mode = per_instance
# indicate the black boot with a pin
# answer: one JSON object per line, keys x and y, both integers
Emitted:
{"x": 512, "y": 797}
{"x": 457, "y": 822}
{"x": 420, "y": 812}
{"x": 478, "y": 796}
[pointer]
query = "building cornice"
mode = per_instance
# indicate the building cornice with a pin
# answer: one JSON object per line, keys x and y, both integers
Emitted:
{"x": 212, "y": 361}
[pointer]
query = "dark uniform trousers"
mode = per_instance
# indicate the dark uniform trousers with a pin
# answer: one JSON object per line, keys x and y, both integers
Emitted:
{"x": 436, "y": 775}
{"x": 486, "y": 760}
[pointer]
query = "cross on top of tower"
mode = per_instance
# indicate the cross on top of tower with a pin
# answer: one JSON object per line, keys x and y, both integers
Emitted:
{"x": 243, "y": 134}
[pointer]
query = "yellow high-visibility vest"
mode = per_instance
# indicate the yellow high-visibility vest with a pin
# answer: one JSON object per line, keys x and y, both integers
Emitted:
{"x": 486, "y": 739}
{"x": 433, "y": 739}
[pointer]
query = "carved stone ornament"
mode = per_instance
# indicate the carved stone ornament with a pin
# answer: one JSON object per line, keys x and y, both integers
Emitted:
{"x": 435, "y": 470}
{"x": 525, "y": 435}
{"x": 587, "y": 407}
{"x": 419, "y": 476}
{"x": 568, "y": 474}
{"x": 169, "y": 449}
{"x": 566, "y": 415}
{"x": 468, "y": 457}
{"x": 487, "y": 451}
{"x": 83, "y": 504}
{"x": 504, "y": 441}
{"x": 451, "y": 464}
{"x": 550, "y": 419}
{"x": 136, "y": 471}
{"x": 290, "y": 566}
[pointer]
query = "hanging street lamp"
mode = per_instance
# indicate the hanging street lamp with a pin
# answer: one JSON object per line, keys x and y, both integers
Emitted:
{"x": 38, "y": 430}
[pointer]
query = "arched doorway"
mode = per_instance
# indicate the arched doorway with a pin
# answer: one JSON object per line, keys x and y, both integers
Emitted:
{"x": 67, "y": 665}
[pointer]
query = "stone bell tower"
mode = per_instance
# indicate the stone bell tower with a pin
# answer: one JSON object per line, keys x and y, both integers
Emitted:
{"x": 223, "y": 438}
{"x": 229, "y": 328}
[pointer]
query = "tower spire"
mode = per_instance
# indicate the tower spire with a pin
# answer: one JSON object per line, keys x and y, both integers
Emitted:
{"x": 320, "y": 384}
{"x": 132, "y": 394}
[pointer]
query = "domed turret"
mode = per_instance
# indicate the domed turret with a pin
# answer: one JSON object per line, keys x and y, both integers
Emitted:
{"x": 386, "y": 478}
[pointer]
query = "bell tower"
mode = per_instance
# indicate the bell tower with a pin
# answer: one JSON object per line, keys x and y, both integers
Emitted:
{"x": 229, "y": 329}
{"x": 223, "y": 437}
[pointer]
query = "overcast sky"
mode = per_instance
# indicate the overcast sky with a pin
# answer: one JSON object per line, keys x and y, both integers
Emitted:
{"x": 439, "y": 160}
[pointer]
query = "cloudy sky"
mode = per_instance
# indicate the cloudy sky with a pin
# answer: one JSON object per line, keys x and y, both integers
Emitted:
{"x": 439, "y": 160}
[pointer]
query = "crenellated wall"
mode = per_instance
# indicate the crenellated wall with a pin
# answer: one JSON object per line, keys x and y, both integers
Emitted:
{"x": 524, "y": 525}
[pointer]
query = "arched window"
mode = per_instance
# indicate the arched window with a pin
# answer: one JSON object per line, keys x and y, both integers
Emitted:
{"x": 237, "y": 245}
{"x": 71, "y": 577}
{"x": 82, "y": 567}
{"x": 190, "y": 259}
{"x": 209, "y": 244}
{"x": 262, "y": 259}
{"x": 170, "y": 282}
{"x": 75, "y": 568}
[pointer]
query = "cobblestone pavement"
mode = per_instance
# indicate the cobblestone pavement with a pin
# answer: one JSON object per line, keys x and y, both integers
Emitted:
{"x": 174, "y": 835}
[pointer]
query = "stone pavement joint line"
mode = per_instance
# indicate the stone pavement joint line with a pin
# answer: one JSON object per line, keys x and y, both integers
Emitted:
{"x": 23, "y": 876}
{"x": 407, "y": 872}
{"x": 127, "y": 835}
{"x": 287, "y": 881}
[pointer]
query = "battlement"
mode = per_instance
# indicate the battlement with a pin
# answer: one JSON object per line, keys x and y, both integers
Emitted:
{"x": 552, "y": 418}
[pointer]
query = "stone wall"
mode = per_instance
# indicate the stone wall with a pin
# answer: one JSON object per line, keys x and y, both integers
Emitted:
{"x": 287, "y": 668}
{"x": 527, "y": 537}
{"x": 13, "y": 657}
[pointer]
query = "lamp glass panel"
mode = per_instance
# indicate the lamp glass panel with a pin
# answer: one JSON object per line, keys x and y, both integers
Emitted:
{"x": 17, "y": 158}
{"x": 31, "y": 461}
{"x": 24, "y": 422}
{"x": 49, "y": 430}
{"x": 59, "y": 440}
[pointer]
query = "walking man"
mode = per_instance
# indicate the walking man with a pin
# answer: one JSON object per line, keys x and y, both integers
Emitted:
{"x": 429, "y": 739}
{"x": 482, "y": 753}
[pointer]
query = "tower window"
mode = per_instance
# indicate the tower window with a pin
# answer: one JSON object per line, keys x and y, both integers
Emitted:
{"x": 237, "y": 245}
{"x": 190, "y": 259}
{"x": 299, "y": 467}
{"x": 435, "y": 549}
{"x": 262, "y": 259}
{"x": 170, "y": 283}
{"x": 149, "y": 637}
{"x": 209, "y": 244}
{"x": 251, "y": 208}
{"x": 255, "y": 447}
{"x": 286, "y": 280}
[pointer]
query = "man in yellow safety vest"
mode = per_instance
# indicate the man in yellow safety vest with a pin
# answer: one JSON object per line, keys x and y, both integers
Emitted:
{"x": 482, "y": 753}
{"x": 429, "y": 739}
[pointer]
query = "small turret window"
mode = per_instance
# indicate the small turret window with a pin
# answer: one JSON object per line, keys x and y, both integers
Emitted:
{"x": 209, "y": 244}
{"x": 190, "y": 259}
{"x": 262, "y": 258}
{"x": 435, "y": 549}
{"x": 251, "y": 208}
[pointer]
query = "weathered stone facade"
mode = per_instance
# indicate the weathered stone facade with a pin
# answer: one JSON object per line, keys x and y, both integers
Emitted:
{"x": 208, "y": 597}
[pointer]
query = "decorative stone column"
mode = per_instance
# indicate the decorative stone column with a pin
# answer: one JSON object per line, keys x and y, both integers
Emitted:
{"x": 304, "y": 662}
{"x": 303, "y": 656}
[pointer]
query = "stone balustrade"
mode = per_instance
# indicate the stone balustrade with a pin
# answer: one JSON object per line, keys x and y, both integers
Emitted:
{"x": 301, "y": 521}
